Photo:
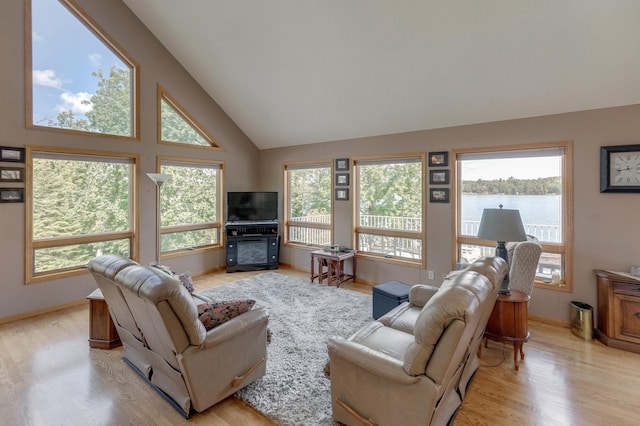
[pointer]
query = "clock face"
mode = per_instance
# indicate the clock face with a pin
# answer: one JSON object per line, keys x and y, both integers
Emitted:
{"x": 624, "y": 168}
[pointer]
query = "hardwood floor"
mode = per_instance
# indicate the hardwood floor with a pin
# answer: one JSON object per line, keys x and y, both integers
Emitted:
{"x": 50, "y": 376}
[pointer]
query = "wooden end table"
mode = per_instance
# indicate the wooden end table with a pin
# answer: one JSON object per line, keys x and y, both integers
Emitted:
{"x": 102, "y": 331}
{"x": 509, "y": 323}
{"x": 334, "y": 263}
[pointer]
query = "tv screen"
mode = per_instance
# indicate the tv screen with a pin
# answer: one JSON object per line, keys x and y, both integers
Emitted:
{"x": 252, "y": 206}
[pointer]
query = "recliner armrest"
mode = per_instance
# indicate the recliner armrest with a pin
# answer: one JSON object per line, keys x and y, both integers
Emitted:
{"x": 375, "y": 362}
{"x": 201, "y": 298}
{"x": 235, "y": 326}
{"x": 420, "y": 294}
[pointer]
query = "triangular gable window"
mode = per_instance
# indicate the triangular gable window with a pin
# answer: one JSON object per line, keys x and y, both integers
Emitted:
{"x": 79, "y": 78}
{"x": 177, "y": 125}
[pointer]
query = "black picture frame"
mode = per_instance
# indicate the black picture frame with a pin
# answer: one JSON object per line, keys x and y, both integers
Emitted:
{"x": 342, "y": 179}
{"x": 12, "y": 154}
{"x": 605, "y": 168}
{"x": 11, "y": 195}
{"x": 342, "y": 164}
{"x": 342, "y": 194}
{"x": 11, "y": 174}
{"x": 439, "y": 195}
{"x": 439, "y": 177}
{"x": 439, "y": 159}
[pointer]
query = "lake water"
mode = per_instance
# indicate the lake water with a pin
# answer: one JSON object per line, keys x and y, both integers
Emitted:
{"x": 540, "y": 213}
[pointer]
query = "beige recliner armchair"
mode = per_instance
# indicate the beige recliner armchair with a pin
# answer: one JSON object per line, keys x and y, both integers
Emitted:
{"x": 409, "y": 367}
{"x": 165, "y": 342}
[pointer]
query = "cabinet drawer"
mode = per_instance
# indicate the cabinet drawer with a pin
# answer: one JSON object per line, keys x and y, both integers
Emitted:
{"x": 627, "y": 318}
{"x": 626, "y": 288}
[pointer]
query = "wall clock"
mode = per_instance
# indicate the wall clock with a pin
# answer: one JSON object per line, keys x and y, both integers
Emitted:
{"x": 620, "y": 168}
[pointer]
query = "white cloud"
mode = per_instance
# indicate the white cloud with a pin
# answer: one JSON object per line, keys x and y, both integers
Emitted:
{"x": 74, "y": 102}
{"x": 46, "y": 78}
{"x": 95, "y": 59}
{"x": 36, "y": 37}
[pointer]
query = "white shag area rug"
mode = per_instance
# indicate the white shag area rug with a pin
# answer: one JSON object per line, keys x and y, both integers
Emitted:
{"x": 302, "y": 316}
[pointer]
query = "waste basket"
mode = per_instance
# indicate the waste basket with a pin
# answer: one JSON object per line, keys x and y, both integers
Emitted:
{"x": 581, "y": 319}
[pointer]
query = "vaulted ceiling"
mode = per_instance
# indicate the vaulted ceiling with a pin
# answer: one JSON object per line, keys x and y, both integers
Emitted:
{"x": 292, "y": 72}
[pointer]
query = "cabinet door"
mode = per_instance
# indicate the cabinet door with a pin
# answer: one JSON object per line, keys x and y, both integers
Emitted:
{"x": 627, "y": 318}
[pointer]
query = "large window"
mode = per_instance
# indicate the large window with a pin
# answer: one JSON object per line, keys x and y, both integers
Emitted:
{"x": 390, "y": 207}
{"x": 80, "y": 204}
{"x": 308, "y": 204}
{"x": 536, "y": 180}
{"x": 78, "y": 79}
{"x": 190, "y": 205}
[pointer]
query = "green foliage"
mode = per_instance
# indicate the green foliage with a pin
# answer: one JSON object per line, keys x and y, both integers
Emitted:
{"x": 70, "y": 198}
{"x": 111, "y": 106}
{"x": 392, "y": 189}
{"x": 310, "y": 193}
{"x": 189, "y": 197}
{"x": 513, "y": 186}
{"x": 175, "y": 129}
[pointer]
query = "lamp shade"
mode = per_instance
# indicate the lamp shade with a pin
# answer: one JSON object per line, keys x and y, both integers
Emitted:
{"x": 159, "y": 178}
{"x": 501, "y": 225}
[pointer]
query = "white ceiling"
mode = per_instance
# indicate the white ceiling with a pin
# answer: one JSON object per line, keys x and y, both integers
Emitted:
{"x": 292, "y": 72}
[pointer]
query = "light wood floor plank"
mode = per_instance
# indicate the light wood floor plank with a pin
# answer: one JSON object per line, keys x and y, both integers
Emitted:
{"x": 49, "y": 375}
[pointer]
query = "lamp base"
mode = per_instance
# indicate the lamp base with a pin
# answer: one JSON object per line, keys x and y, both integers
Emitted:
{"x": 501, "y": 251}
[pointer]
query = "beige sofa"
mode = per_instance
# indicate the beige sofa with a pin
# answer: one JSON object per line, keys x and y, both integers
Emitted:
{"x": 412, "y": 366}
{"x": 165, "y": 342}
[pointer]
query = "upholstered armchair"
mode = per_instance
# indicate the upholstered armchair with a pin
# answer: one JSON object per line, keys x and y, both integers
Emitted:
{"x": 165, "y": 342}
{"x": 523, "y": 264}
{"x": 406, "y": 370}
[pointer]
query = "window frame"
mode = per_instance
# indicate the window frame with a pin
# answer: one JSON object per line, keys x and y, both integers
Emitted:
{"x": 421, "y": 157}
{"x": 31, "y": 245}
{"x": 288, "y": 223}
{"x": 218, "y": 224}
{"x": 110, "y": 43}
{"x": 564, "y": 248}
{"x": 163, "y": 95}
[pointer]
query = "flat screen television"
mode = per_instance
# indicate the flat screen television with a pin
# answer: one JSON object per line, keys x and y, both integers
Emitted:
{"x": 252, "y": 206}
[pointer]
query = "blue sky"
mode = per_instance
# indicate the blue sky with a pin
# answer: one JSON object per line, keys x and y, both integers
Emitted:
{"x": 64, "y": 54}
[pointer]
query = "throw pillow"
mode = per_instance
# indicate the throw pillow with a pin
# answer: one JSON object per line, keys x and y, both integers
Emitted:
{"x": 213, "y": 314}
{"x": 187, "y": 282}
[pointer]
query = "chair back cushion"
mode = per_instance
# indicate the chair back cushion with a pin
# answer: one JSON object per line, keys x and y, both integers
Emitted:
{"x": 456, "y": 302}
{"x": 523, "y": 264}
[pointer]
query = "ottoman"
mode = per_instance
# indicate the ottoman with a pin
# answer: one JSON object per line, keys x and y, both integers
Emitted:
{"x": 387, "y": 296}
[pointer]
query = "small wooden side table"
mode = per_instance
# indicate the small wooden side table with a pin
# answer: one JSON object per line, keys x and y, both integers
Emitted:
{"x": 334, "y": 263}
{"x": 102, "y": 331}
{"x": 509, "y": 323}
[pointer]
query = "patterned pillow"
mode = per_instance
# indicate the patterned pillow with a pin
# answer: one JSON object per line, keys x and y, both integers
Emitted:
{"x": 187, "y": 282}
{"x": 213, "y": 314}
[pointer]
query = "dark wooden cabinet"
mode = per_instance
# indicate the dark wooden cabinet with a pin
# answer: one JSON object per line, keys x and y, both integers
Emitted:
{"x": 618, "y": 310}
{"x": 102, "y": 331}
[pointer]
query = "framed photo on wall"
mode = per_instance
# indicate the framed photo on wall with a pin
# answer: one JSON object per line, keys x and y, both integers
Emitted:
{"x": 439, "y": 159}
{"x": 439, "y": 195}
{"x": 11, "y": 174}
{"x": 342, "y": 194}
{"x": 439, "y": 177}
{"x": 9, "y": 153}
{"x": 342, "y": 179}
{"x": 11, "y": 195}
{"x": 342, "y": 164}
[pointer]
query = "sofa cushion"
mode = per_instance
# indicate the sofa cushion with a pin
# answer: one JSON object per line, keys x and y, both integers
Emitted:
{"x": 213, "y": 314}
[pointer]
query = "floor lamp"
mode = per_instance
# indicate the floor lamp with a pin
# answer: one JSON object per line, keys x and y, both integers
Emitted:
{"x": 158, "y": 179}
{"x": 502, "y": 225}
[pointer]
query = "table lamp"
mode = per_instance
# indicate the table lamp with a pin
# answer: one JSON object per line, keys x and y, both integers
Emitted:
{"x": 502, "y": 225}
